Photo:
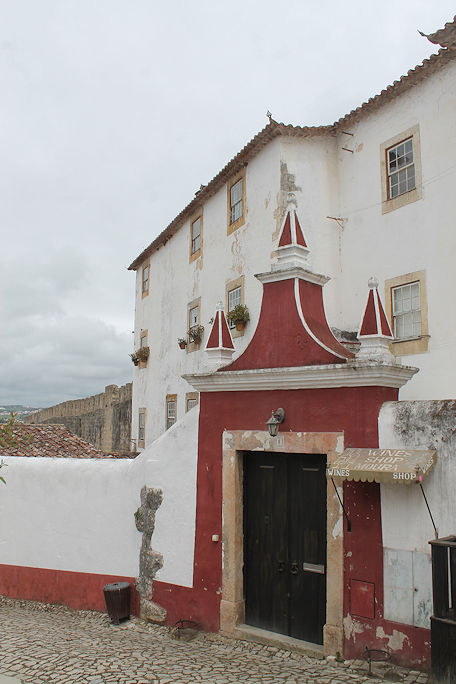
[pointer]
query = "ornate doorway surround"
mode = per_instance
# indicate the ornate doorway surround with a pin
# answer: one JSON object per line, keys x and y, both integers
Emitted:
{"x": 235, "y": 443}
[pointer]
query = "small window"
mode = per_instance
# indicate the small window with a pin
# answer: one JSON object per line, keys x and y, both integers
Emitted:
{"x": 236, "y": 201}
{"x": 171, "y": 410}
{"x": 142, "y": 428}
{"x": 400, "y": 165}
{"x": 143, "y": 339}
{"x": 234, "y": 298}
{"x": 193, "y": 317}
{"x": 234, "y": 295}
{"x": 406, "y": 311}
{"x": 195, "y": 236}
{"x": 401, "y": 169}
{"x": 145, "y": 280}
{"x": 191, "y": 400}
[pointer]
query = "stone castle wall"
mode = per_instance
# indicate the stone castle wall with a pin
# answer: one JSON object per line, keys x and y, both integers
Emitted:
{"x": 104, "y": 419}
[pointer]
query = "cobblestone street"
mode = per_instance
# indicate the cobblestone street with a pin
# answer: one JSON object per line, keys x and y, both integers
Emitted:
{"x": 43, "y": 643}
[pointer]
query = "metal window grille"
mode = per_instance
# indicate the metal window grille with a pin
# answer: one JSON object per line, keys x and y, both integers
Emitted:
{"x": 143, "y": 342}
{"x": 407, "y": 311}
{"x": 196, "y": 235}
{"x": 401, "y": 168}
{"x": 236, "y": 201}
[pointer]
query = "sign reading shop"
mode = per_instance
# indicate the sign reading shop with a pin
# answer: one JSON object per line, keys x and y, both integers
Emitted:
{"x": 402, "y": 466}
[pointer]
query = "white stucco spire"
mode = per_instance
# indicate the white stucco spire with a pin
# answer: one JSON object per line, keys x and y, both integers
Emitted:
{"x": 219, "y": 348}
{"x": 292, "y": 249}
{"x": 374, "y": 332}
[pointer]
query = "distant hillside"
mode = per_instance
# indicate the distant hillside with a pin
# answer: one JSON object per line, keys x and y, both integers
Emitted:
{"x": 5, "y": 411}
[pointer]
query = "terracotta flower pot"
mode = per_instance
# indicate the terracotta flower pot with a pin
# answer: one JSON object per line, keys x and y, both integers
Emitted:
{"x": 240, "y": 325}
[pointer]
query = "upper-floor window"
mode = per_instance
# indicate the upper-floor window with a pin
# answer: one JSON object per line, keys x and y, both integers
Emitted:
{"x": 196, "y": 230}
{"x": 143, "y": 338}
{"x": 401, "y": 168}
{"x": 236, "y": 202}
{"x": 193, "y": 316}
{"x": 406, "y": 311}
{"x": 145, "y": 279}
{"x": 234, "y": 298}
{"x": 400, "y": 165}
{"x": 406, "y": 308}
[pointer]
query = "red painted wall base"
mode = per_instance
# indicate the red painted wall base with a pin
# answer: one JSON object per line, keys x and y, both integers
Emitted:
{"x": 78, "y": 590}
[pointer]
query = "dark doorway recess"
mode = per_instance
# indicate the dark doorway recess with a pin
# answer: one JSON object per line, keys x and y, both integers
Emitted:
{"x": 285, "y": 543}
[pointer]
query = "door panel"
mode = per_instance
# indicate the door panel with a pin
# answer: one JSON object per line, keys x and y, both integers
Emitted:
{"x": 307, "y": 546}
{"x": 285, "y": 543}
{"x": 266, "y": 542}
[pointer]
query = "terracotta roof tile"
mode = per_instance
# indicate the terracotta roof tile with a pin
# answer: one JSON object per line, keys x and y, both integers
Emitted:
{"x": 53, "y": 441}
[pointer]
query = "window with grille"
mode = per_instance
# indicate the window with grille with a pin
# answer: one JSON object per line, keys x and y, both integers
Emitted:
{"x": 236, "y": 208}
{"x": 191, "y": 403}
{"x": 143, "y": 339}
{"x": 406, "y": 306}
{"x": 195, "y": 236}
{"x": 400, "y": 168}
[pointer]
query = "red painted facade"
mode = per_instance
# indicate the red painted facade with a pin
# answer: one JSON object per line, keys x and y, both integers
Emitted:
{"x": 78, "y": 590}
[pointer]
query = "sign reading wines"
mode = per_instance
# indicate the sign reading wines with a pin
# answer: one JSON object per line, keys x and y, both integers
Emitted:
{"x": 382, "y": 465}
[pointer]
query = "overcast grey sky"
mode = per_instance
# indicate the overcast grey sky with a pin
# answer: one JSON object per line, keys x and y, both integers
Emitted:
{"x": 115, "y": 111}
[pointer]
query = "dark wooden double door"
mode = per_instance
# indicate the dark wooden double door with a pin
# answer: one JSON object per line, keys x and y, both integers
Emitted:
{"x": 285, "y": 543}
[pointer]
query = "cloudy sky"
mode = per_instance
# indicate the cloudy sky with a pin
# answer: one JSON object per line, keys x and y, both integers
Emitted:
{"x": 115, "y": 111}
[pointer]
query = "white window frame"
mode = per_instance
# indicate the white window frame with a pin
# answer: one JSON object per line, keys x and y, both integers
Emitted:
{"x": 412, "y": 312}
{"x": 237, "y": 205}
{"x": 142, "y": 428}
{"x": 411, "y": 194}
{"x": 195, "y": 240}
{"x": 400, "y": 164}
{"x": 231, "y": 303}
{"x": 171, "y": 410}
{"x": 145, "y": 281}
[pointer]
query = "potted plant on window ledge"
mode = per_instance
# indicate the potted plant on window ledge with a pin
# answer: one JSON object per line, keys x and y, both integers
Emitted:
{"x": 182, "y": 342}
{"x": 134, "y": 358}
{"x": 239, "y": 316}
{"x": 143, "y": 353}
{"x": 195, "y": 333}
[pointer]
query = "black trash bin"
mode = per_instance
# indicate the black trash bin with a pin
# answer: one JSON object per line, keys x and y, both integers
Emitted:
{"x": 117, "y": 597}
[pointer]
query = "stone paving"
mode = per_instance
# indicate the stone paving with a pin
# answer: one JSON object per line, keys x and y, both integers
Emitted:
{"x": 44, "y": 643}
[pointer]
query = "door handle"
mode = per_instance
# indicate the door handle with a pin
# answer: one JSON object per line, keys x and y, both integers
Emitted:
{"x": 281, "y": 566}
{"x": 294, "y": 568}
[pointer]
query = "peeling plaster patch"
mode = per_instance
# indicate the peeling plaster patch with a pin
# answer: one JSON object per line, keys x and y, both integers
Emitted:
{"x": 287, "y": 184}
{"x": 228, "y": 440}
{"x": 339, "y": 445}
{"x": 429, "y": 423}
{"x": 337, "y": 529}
{"x": 352, "y": 627}
{"x": 238, "y": 257}
{"x": 395, "y": 641}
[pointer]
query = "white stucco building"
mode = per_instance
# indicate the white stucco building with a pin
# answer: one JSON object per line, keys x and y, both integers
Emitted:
{"x": 359, "y": 216}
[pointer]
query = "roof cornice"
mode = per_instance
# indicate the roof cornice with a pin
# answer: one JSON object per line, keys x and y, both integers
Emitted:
{"x": 355, "y": 374}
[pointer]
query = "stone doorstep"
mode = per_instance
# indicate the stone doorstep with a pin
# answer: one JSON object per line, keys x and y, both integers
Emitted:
{"x": 282, "y": 641}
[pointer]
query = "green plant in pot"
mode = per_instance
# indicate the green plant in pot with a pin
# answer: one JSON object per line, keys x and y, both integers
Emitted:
{"x": 182, "y": 342}
{"x": 143, "y": 353}
{"x": 195, "y": 333}
{"x": 239, "y": 316}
